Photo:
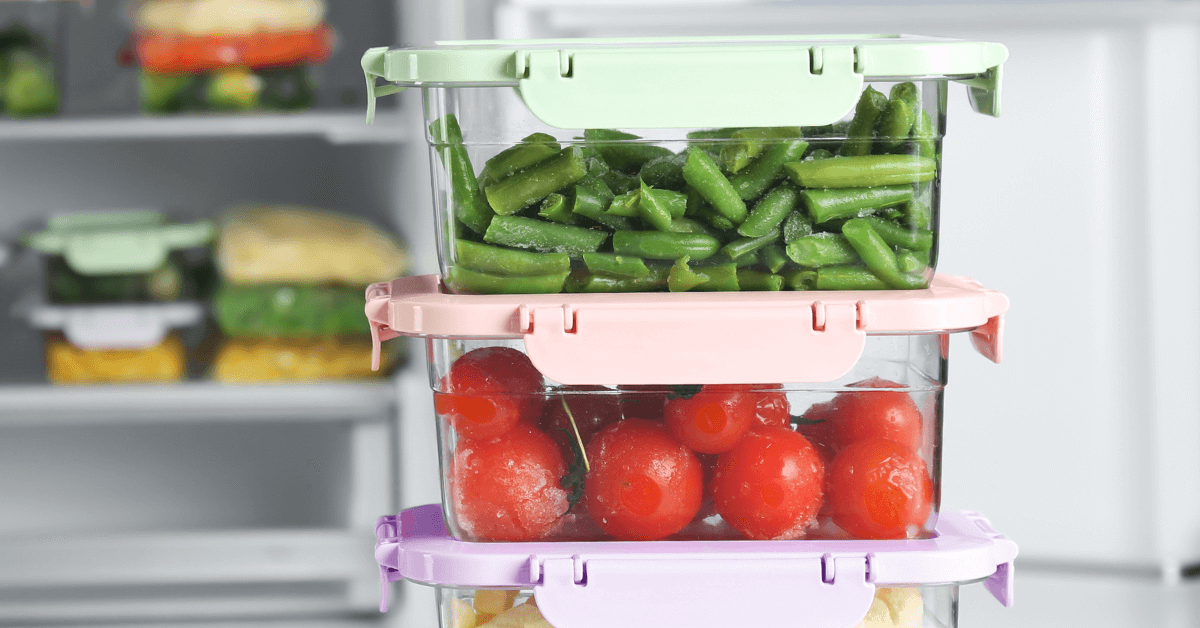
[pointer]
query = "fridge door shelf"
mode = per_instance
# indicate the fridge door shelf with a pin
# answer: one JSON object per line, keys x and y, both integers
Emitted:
{"x": 690, "y": 338}
{"x": 588, "y": 585}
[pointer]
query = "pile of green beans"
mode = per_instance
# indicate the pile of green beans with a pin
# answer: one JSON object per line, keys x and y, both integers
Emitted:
{"x": 841, "y": 207}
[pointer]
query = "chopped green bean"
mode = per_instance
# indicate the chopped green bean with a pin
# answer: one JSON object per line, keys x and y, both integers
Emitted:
{"x": 468, "y": 204}
{"x": 537, "y": 182}
{"x": 827, "y": 204}
{"x": 749, "y": 143}
{"x": 859, "y": 172}
{"x": 757, "y": 280}
{"x": 682, "y": 278}
{"x": 770, "y": 211}
{"x": 876, "y": 254}
{"x": 539, "y": 235}
{"x": 582, "y": 280}
{"x": 895, "y": 123}
{"x": 664, "y": 173}
{"x": 896, "y": 235}
{"x": 663, "y": 245}
{"x": 800, "y": 279}
{"x": 910, "y": 262}
{"x": 592, "y": 198}
{"x": 848, "y": 278}
{"x": 613, "y": 264}
{"x": 531, "y": 150}
{"x": 464, "y": 280}
{"x": 745, "y": 246}
{"x": 626, "y": 204}
{"x": 925, "y": 136}
{"x": 773, "y": 257}
{"x": 822, "y": 249}
{"x": 703, "y": 174}
{"x": 557, "y": 208}
{"x": 758, "y": 177}
{"x": 659, "y": 207}
{"x": 859, "y": 136}
{"x": 620, "y": 151}
{"x": 796, "y": 226}
{"x": 687, "y": 225}
{"x": 501, "y": 261}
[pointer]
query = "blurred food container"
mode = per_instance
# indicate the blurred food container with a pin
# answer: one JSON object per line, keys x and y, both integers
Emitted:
{"x": 231, "y": 55}
{"x": 291, "y": 300}
{"x": 122, "y": 256}
{"x": 28, "y": 82}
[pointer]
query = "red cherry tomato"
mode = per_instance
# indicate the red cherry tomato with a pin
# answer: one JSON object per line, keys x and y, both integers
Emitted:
{"x": 508, "y": 488}
{"x": 644, "y": 485}
{"x": 591, "y": 412}
{"x": 875, "y": 413}
{"x": 712, "y": 420}
{"x": 769, "y": 486}
{"x": 878, "y": 489}
{"x": 489, "y": 390}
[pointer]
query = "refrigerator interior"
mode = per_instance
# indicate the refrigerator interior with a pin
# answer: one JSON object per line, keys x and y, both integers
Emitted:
{"x": 1078, "y": 203}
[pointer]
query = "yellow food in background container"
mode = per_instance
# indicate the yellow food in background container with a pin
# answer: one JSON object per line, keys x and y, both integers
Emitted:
{"x": 255, "y": 361}
{"x": 274, "y": 244}
{"x": 67, "y": 364}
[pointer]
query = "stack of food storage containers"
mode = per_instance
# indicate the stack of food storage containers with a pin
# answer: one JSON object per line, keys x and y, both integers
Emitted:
{"x": 228, "y": 55}
{"x": 123, "y": 289}
{"x": 290, "y": 299}
{"x": 688, "y": 347}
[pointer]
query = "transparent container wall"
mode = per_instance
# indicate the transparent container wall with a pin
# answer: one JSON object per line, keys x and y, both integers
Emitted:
{"x": 30, "y": 43}
{"x": 525, "y": 459}
{"x": 924, "y": 606}
{"x": 564, "y": 193}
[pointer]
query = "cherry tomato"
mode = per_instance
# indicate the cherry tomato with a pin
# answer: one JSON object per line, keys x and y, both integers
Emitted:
{"x": 884, "y": 414}
{"x": 488, "y": 391}
{"x": 644, "y": 485}
{"x": 507, "y": 488}
{"x": 713, "y": 420}
{"x": 591, "y": 412}
{"x": 878, "y": 489}
{"x": 769, "y": 486}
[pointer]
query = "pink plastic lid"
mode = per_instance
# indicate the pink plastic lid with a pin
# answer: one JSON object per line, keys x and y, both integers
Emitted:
{"x": 690, "y": 338}
{"x": 691, "y": 583}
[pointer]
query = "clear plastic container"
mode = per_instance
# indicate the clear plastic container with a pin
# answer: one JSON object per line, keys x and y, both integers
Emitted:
{"x": 832, "y": 584}
{"x": 123, "y": 257}
{"x": 623, "y": 166}
{"x": 693, "y": 417}
{"x": 766, "y": 461}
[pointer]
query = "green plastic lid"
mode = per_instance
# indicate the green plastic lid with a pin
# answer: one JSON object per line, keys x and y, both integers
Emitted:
{"x": 690, "y": 82}
{"x": 120, "y": 242}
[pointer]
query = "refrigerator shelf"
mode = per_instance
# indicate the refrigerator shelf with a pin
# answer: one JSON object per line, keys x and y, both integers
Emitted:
{"x": 193, "y": 402}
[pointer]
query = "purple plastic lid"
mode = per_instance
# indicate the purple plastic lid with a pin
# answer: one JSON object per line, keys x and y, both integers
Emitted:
{"x": 602, "y": 584}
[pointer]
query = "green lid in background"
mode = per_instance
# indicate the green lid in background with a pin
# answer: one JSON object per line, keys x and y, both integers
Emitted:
{"x": 118, "y": 242}
{"x": 690, "y": 82}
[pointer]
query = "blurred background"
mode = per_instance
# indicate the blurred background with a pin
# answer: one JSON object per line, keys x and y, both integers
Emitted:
{"x": 188, "y": 432}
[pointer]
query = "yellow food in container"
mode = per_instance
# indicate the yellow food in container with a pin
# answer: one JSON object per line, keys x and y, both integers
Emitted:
{"x": 68, "y": 364}
{"x": 254, "y": 361}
